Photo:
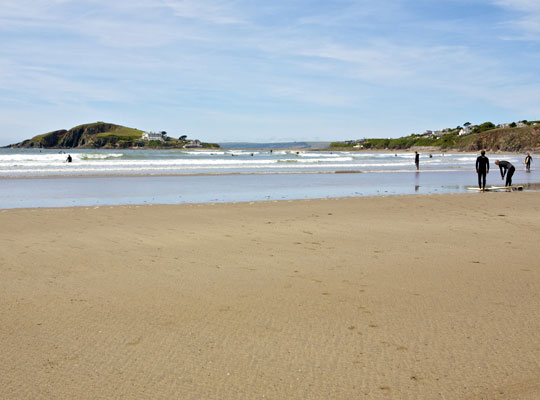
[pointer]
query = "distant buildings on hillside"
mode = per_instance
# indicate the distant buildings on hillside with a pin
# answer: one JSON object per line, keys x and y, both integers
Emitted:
{"x": 435, "y": 134}
{"x": 193, "y": 144}
{"x": 162, "y": 137}
{"x": 468, "y": 128}
{"x": 151, "y": 136}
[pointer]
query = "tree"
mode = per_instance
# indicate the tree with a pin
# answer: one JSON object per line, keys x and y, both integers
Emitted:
{"x": 183, "y": 137}
{"x": 486, "y": 126}
{"x": 467, "y": 124}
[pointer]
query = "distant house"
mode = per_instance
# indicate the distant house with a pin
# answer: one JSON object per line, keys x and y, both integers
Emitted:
{"x": 359, "y": 143}
{"x": 193, "y": 144}
{"x": 521, "y": 125}
{"x": 153, "y": 136}
{"x": 465, "y": 131}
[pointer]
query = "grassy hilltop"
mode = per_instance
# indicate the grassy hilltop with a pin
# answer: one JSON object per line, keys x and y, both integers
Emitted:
{"x": 101, "y": 135}
{"x": 484, "y": 136}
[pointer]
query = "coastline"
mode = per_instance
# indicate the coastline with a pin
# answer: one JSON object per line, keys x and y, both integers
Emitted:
{"x": 374, "y": 297}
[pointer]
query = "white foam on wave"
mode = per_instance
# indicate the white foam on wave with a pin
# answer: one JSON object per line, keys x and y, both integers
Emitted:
{"x": 40, "y": 157}
{"x": 85, "y": 156}
{"x": 242, "y": 153}
{"x": 316, "y": 160}
{"x": 320, "y": 155}
{"x": 203, "y": 152}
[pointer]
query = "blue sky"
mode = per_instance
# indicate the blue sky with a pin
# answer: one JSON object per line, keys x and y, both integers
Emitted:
{"x": 239, "y": 70}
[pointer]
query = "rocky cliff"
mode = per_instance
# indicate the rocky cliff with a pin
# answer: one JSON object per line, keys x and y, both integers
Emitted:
{"x": 503, "y": 139}
{"x": 96, "y": 135}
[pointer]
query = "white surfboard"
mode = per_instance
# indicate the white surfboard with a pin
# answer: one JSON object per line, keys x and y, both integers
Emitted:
{"x": 497, "y": 188}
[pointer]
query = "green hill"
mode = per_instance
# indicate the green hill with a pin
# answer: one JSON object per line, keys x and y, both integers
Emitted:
{"x": 100, "y": 135}
{"x": 484, "y": 136}
{"x": 502, "y": 139}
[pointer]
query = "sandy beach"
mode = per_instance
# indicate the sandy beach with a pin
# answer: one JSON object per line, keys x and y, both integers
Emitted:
{"x": 401, "y": 297}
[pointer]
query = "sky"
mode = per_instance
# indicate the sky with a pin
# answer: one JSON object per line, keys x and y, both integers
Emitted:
{"x": 267, "y": 71}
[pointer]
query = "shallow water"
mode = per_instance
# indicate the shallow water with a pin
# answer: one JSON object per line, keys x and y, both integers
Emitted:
{"x": 118, "y": 190}
{"x": 42, "y": 178}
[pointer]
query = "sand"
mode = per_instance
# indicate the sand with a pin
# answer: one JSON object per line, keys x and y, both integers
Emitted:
{"x": 404, "y": 297}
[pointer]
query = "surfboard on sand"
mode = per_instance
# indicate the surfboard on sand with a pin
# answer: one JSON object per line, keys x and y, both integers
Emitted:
{"x": 513, "y": 188}
{"x": 497, "y": 188}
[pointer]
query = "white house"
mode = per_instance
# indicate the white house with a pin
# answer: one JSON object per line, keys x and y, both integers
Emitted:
{"x": 465, "y": 131}
{"x": 521, "y": 125}
{"x": 152, "y": 136}
{"x": 193, "y": 144}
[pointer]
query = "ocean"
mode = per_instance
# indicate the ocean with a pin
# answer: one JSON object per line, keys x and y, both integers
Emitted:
{"x": 43, "y": 178}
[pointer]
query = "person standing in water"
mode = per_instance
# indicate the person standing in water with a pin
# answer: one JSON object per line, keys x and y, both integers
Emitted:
{"x": 482, "y": 169}
{"x": 509, "y": 170}
{"x": 527, "y": 162}
{"x": 417, "y": 160}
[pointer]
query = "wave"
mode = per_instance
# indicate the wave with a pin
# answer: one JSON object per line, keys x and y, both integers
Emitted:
{"x": 203, "y": 152}
{"x": 6, "y": 158}
{"x": 97, "y": 156}
{"x": 321, "y": 155}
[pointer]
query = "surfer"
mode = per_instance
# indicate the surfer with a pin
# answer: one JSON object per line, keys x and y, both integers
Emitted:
{"x": 509, "y": 170}
{"x": 527, "y": 162}
{"x": 417, "y": 160}
{"x": 69, "y": 159}
{"x": 482, "y": 169}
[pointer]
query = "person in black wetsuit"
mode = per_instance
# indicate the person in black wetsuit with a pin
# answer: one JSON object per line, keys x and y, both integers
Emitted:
{"x": 417, "y": 160}
{"x": 527, "y": 163}
{"x": 482, "y": 169}
{"x": 509, "y": 170}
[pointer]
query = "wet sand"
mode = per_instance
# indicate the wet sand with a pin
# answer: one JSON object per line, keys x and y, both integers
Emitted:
{"x": 402, "y": 297}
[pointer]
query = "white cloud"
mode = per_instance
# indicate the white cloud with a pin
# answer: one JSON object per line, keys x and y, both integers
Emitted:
{"x": 520, "y": 5}
{"x": 306, "y": 94}
{"x": 217, "y": 12}
{"x": 524, "y": 23}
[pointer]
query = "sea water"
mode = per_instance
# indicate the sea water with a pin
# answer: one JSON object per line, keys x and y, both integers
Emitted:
{"x": 43, "y": 178}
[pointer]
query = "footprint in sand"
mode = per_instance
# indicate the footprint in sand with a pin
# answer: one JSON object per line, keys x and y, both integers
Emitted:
{"x": 135, "y": 342}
